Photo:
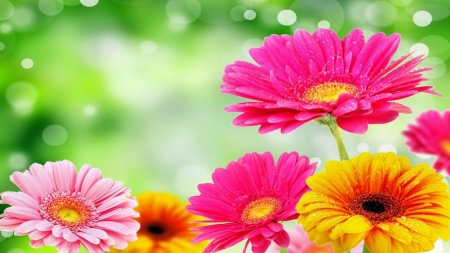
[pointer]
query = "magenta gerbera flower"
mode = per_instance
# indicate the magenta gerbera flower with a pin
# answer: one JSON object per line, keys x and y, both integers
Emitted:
{"x": 249, "y": 199}
{"x": 58, "y": 207}
{"x": 305, "y": 77}
{"x": 431, "y": 135}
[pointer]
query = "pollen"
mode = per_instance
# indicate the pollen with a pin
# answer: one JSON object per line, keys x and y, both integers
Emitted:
{"x": 327, "y": 92}
{"x": 69, "y": 210}
{"x": 377, "y": 206}
{"x": 445, "y": 144}
{"x": 259, "y": 210}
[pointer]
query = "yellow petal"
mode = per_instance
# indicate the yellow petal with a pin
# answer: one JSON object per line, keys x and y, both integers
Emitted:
{"x": 349, "y": 241}
{"x": 357, "y": 224}
{"x": 397, "y": 247}
{"x": 399, "y": 232}
{"x": 327, "y": 224}
{"x": 322, "y": 239}
{"x": 377, "y": 241}
{"x": 314, "y": 217}
{"x": 337, "y": 246}
{"x": 336, "y": 232}
{"x": 415, "y": 225}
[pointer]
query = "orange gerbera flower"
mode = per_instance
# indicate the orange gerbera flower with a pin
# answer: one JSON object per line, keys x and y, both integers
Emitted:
{"x": 381, "y": 198}
{"x": 165, "y": 226}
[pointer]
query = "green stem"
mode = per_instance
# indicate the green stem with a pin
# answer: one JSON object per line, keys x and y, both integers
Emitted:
{"x": 336, "y": 131}
{"x": 365, "y": 250}
{"x": 283, "y": 250}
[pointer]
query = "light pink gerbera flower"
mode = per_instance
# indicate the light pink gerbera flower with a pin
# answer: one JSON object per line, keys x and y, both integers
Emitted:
{"x": 249, "y": 199}
{"x": 431, "y": 136}
{"x": 305, "y": 77}
{"x": 58, "y": 207}
{"x": 300, "y": 243}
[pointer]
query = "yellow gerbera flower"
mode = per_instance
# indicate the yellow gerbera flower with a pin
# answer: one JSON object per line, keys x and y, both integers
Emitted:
{"x": 165, "y": 226}
{"x": 381, "y": 198}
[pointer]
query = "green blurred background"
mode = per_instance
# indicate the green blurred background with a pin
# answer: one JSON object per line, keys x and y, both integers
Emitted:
{"x": 131, "y": 86}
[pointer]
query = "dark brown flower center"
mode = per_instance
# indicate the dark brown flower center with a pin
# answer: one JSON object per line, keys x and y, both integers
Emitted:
{"x": 377, "y": 207}
{"x": 159, "y": 231}
{"x": 373, "y": 206}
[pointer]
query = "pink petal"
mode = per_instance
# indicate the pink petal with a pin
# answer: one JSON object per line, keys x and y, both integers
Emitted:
{"x": 357, "y": 125}
{"x": 69, "y": 236}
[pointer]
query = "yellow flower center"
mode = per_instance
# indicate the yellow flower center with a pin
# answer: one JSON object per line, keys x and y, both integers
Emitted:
{"x": 327, "y": 92}
{"x": 68, "y": 214}
{"x": 260, "y": 209}
{"x": 445, "y": 144}
{"x": 71, "y": 211}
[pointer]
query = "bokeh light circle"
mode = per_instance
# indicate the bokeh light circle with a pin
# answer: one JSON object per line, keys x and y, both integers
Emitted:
{"x": 237, "y": 13}
{"x": 311, "y": 12}
{"x": 28, "y": 18}
{"x": 183, "y": 11}
{"x": 148, "y": 47}
{"x": 438, "y": 67}
{"x": 251, "y": 43}
{"x": 324, "y": 24}
{"x": 90, "y": 110}
{"x": 423, "y": 156}
{"x": 6, "y": 234}
{"x": 438, "y": 46}
{"x": 419, "y": 49}
{"x": 381, "y": 14}
{"x": 51, "y": 7}
{"x": 27, "y": 63}
{"x": 2, "y": 46}
{"x": 422, "y": 18}
{"x": 387, "y": 148}
{"x": 362, "y": 147}
{"x": 18, "y": 161}
{"x": 287, "y": 17}
{"x": 6, "y": 9}
{"x": 54, "y": 135}
{"x": 89, "y": 3}
{"x": 249, "y": 14}
{"x": 316, "y": 160}
{"x": 21, "y": 96}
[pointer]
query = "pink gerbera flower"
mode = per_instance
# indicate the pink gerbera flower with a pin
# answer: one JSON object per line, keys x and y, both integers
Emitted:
{"x": 249, "y": 199}
{"x": 300, "y": 243}
{"x": 58, "y": 207}
{"x": 305, "y": 77}
{"x": 431, "y": 136}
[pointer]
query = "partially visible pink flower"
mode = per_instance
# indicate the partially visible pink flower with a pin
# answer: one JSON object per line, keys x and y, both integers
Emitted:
{"x": 431, "y": 135}
{"x": 300, "y": 243}
{"x": 249, "y": 199}
{"x": 58, "y": 207}
{"x": 305, "y": 77}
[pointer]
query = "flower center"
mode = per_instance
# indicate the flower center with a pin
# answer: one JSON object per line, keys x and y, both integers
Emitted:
{"x": 327, "y": 92}
{"x": 260, "y": 209}
{"x": 445, "y": 144}
{"x": 159, "y": 231}
{"x": 69, "y": 210}
{"x": 377, "y": 207}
